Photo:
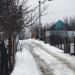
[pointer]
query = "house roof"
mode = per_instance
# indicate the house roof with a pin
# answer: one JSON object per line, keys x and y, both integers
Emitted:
{"x": 59, "y": 25}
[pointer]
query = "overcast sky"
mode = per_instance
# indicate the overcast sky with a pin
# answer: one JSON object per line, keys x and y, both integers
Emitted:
{"x": 57, "y": 9}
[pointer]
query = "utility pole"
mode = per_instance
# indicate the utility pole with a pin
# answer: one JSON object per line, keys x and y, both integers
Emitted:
{"x": 31, "y": 21}
{"x": 39, "y": 20}
{"x": 40, "y": 17}
{"x": 31, "y": 26}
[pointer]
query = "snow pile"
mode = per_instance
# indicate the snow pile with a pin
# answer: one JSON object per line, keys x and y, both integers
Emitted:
{"x": 25, "y": 64}
{"x": 56, "y": 66}
{"x": 70, "y": 60}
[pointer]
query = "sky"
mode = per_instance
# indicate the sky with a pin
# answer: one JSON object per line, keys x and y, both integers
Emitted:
{"x": 57, "y": 9}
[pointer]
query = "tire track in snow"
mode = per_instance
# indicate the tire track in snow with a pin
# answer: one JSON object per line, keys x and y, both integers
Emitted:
{"x": 60, "y": 59}
{"x": 43, "y": 66}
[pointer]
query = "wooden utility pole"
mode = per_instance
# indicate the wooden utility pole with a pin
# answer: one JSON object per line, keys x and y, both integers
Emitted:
{"x": 39, "y": 20}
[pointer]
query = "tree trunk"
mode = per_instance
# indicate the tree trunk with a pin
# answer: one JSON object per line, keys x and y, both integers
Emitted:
{"x": 11, "y": 53}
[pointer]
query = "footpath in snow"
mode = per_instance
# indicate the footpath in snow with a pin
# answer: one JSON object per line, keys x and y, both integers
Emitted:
{"x": 35, "y": 54}
{"x": 25, "y": 64}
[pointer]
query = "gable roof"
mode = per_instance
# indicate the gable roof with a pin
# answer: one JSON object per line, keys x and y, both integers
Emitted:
{"x": 59, "y": 25}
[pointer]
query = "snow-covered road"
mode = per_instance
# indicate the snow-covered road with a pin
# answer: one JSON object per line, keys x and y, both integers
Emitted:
{"x": 37, "y": 58}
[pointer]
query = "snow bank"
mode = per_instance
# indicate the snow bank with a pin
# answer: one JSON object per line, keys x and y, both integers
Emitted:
{"x": 56, "y": 66}
{"x": 70, "y": 60}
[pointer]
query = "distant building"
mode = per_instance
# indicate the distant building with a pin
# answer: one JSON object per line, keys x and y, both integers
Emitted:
{"x": 59, "y": 29}
{"x": 59, "y": 25}
{"x": 58, "y": 32}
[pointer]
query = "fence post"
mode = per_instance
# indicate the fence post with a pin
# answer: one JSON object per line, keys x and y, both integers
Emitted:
{"x": 66, "y": 45}
{"x": 45, "y": 35}
{"x": 61, "y": 46}
{"x": 74, "y": 46}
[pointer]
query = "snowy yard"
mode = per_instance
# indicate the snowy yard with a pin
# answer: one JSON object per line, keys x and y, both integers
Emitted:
{"x": 36, "y": 58}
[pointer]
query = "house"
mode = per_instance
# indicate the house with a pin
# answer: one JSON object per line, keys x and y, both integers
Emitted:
{"x": 59, "y": 29}
{"x": 58, "y": 32}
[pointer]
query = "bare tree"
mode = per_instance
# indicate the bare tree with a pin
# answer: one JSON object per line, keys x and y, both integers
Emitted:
{"x": 72, "y": 23}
